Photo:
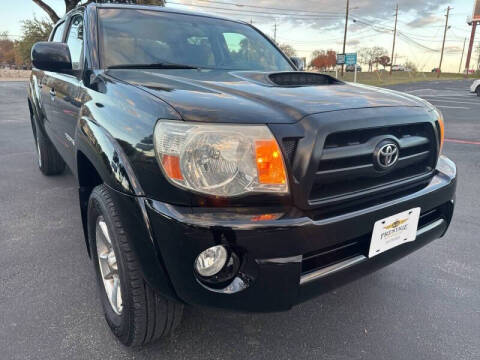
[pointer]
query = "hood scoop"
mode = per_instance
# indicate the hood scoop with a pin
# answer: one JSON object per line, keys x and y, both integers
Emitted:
{"x": 286, "y": 79}
{"x": 301, "y": 79}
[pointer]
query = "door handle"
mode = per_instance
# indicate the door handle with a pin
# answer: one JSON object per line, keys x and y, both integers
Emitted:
{"x": 52, "y": 92}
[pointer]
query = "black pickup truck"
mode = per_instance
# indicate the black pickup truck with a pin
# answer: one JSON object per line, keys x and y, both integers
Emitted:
{"x": 212, "y": 171}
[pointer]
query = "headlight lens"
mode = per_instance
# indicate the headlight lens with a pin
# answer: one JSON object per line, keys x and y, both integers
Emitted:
{"x": 219, "y": 159}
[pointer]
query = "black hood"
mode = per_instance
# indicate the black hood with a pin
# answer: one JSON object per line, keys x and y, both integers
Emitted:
{"x": 251, "y": 97}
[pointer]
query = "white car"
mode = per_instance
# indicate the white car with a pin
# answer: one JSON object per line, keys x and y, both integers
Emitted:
{"x": 475, "y": 88}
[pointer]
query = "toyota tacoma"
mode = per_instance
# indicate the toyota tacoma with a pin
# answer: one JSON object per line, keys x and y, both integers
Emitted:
{"x": 212, "y": 171}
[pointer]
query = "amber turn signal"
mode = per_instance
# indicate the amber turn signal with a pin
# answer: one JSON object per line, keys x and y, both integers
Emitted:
{"x": 271, "y": 169}
{"x": 171, "y": 164}
{"x": 441, "y": 126}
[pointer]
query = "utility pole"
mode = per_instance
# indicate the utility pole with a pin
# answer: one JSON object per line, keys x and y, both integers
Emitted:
{"x": 478, "y": 61}
{"x": 275, "y": 32}
{"x": 394, "y": 38}
{"x": 461, "y": 59}
{"x": 444, "y": 38}
{"x": 470, "y": 47}
{"x": 346, "y": 29}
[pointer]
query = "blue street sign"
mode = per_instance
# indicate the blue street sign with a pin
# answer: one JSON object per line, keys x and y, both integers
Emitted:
{"x": 351, "y": 59}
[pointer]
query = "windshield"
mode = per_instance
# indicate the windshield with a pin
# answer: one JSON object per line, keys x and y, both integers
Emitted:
{"x": 145, "y": 37}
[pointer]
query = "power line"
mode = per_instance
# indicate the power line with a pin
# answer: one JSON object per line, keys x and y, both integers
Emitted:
{"x": 262, "y": 13}
{"x": 269, "y": 8}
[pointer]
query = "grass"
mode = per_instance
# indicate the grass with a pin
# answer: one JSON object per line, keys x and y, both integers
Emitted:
{"x": 385, "y": 79}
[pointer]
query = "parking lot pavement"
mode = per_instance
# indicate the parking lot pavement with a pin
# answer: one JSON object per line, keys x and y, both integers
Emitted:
{"x": 426, "y": 306}
{"x": 460, "y": 107}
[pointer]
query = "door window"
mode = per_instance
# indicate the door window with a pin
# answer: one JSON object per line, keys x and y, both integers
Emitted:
{"x": 58, "y": 35}
{"x": 75, "y": 41}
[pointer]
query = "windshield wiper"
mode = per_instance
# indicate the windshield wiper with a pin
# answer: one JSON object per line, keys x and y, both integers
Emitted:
{"x": 153, "y": 66}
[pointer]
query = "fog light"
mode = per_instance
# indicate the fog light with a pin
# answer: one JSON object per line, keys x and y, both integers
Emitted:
{"x": 211, "y": 261}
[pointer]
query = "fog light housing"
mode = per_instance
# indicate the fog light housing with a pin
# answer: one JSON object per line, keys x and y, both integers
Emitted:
{"x": 211, "y": 261}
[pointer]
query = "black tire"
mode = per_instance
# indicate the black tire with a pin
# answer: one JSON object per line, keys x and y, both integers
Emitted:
{"x": 49, "y": 160}
{"x": 478, "y": 91}
{"x": 146, "y": 316}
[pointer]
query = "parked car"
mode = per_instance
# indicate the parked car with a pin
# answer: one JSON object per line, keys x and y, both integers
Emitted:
{"x": 213, "y": 176}
{"x": 436, "y": 70}
{"x": 398, "y": 68}
{"x": 475, "y": 88}
{"x": 351, "y": 68}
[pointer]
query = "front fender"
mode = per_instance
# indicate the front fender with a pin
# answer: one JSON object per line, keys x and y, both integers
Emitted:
{"x": 107, "y": 157}
{"x": 105, "y": 154}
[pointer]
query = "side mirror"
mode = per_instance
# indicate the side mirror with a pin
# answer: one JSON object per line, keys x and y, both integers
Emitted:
{"x": 298, "y": 63}
{"x": 52, "y": 56}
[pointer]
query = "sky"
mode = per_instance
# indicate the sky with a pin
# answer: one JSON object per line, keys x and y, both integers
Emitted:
{"x": 308, "y": 25}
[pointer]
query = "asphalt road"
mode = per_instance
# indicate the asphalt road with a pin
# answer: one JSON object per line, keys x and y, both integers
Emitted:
{"x": 427, "y": 306}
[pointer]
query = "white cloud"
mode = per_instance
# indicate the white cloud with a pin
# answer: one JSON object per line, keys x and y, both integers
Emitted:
{"x": 424, "y": 21}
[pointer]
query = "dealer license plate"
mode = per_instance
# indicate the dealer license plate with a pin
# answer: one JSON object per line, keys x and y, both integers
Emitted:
{"x": 393, "y": 231}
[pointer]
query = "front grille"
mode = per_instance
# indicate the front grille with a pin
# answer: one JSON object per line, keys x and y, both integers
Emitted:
{"x": 347, "y": 171}
{"x": 290, "y": 147}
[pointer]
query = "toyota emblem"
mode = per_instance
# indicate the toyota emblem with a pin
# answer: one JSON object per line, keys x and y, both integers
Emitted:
{"x": 386, "y": 155}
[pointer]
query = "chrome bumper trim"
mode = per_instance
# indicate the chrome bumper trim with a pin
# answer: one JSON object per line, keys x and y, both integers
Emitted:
{"x": 328, "y": 270}
{"x": 331, "y": 269}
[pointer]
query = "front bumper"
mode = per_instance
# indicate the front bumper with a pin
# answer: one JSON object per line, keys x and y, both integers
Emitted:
{"x": 295, "y": 257}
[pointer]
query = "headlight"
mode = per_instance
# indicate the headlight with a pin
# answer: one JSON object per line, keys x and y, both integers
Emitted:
{"x": 220, "y": 159}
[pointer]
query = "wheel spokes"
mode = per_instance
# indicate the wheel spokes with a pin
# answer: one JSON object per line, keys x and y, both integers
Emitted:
{"x": 108, "y": 266}
{"x": 116, "y": 294}
{"x": 104, "y": 228}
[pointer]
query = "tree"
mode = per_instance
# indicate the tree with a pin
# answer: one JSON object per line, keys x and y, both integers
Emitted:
{"x": 323, "y": 60}
{"x": 373, "y": 56}
{"x": 364, "y": 56}
{"x": 377, "y": 53}
{"x": 7, "y": 51}
{"x": 71, "y": 4}
{"x": 33, "y": 31}
{"x": 288, "y": 50}
{"x": 384, "y": 61}
{"x": 411, "y": 65}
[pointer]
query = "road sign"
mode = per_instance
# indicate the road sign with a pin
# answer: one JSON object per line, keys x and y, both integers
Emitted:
{"x": 351, "y": 59}
{"x": 340, "y": 59}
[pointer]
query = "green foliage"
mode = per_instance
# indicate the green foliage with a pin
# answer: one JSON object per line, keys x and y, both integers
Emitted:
{"x": 7, "y": 52}
{"x": 33, "y": 31}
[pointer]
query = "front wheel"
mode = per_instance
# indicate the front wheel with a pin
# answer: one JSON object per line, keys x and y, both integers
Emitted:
{"x": 136, "y": 314}
{"x": 478, "y": 91}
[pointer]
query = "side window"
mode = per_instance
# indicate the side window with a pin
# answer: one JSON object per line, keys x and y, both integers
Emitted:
{"x": 75, "y": 41}
{"x": 235, "y": 42}
{"x": 58, "y": 35}
{"x": 244, "y": 51}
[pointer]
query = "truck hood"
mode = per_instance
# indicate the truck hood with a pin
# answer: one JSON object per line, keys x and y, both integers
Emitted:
{"x": 249, "y": 97}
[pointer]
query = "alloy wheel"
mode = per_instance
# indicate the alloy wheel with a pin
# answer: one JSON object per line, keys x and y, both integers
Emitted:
{"x": 107, "y": 262}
